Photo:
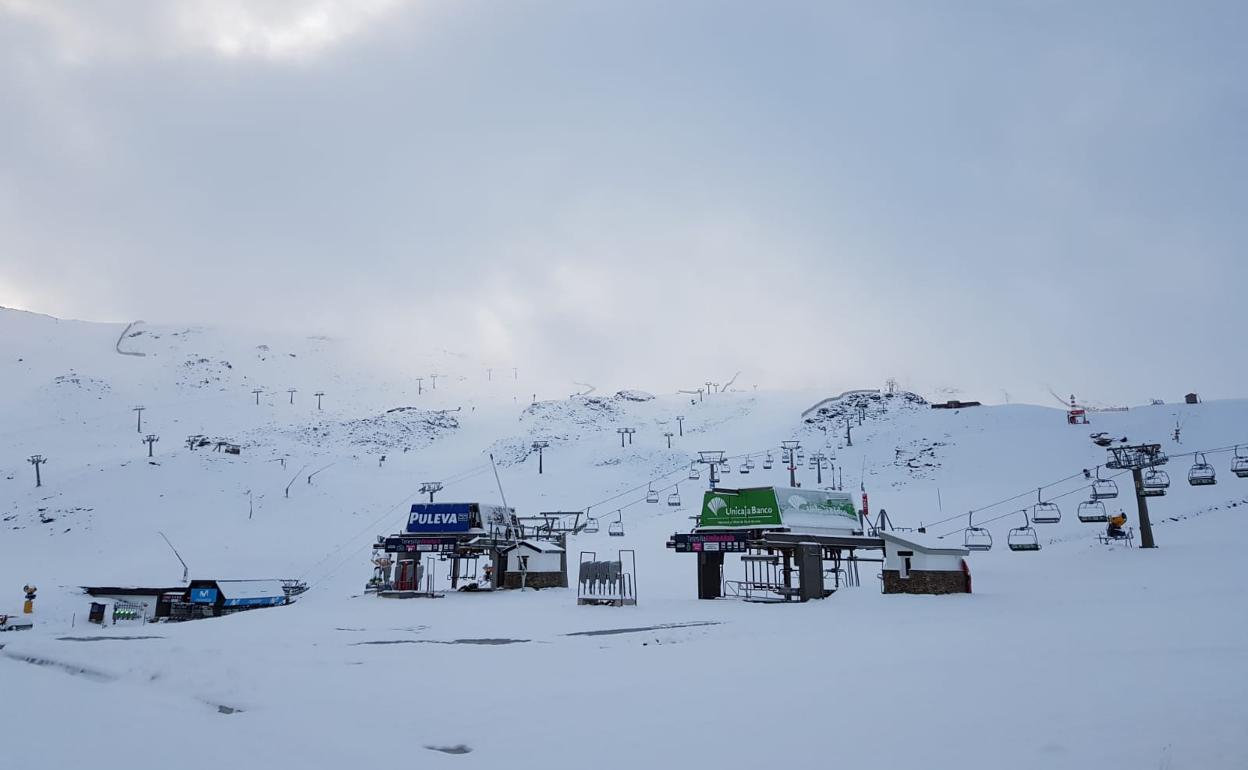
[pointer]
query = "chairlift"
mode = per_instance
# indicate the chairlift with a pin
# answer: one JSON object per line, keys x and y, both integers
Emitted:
{"x": 616, "y": 528}
{"x": 1023, "y": 538}
{"x": 1202, "y": 473}
{"x": 652, "y": 496}
{"x": 1092, "y": 512}
{"x": 694, "y": 473}
{"x": 976, "y": 538}
{"x": 768, "y": 463}
{"x": 1045, "y": 512}
{"x": 726, "y": 468}
{"x": 673, "y": 500}
{"x": 1104, "y": 489}
{"x": 591, "y": 525}
{"x": 1154, "y": 483}
{"x": 1239, "y": 464}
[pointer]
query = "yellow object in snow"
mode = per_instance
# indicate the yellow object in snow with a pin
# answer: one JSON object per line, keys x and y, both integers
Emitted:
{"x": 1118, "y": 520}
{"x": 29, "y": 607}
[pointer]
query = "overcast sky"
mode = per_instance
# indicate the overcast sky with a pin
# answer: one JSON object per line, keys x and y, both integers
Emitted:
{"x": 988, "y": 196}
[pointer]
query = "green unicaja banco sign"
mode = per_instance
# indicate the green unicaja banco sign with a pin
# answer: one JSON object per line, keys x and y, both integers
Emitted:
{"x": 744, "y": 508}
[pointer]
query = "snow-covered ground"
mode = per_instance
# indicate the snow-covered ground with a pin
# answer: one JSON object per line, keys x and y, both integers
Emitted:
{"x": 1076, "y": 656}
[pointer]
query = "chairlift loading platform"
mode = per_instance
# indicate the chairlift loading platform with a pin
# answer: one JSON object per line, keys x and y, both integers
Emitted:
{"x": 771, "y": 559}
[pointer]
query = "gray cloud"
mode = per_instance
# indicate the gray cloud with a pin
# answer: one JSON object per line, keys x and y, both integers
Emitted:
{"x": 984, "y": 195}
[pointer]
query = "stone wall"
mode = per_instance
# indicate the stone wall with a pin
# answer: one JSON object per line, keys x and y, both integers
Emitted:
{"x": 536, "y": 580}
{"x": 925, "y": 582}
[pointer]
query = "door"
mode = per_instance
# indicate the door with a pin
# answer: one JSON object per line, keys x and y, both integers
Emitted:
{"x": 406, "y": 578}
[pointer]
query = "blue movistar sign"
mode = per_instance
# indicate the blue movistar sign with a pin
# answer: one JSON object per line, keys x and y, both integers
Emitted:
{"x": 438, "y": 517}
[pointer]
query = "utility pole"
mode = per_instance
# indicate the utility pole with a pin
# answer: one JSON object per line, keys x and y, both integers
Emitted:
{"x": 257, "y": 393}
{"x": 433, "y": 378}
{"x": 292, "y": 393}
{"x": 680, "y": 421}
{"x": 139, "y": 410}
{"x": 515, "y": 373}
{"x": 539, "y": 446}
{"x": 420, "y": 385}
{"x": 489, "y": 375}
{"x": 849, "y": 439}
{"x": 818, "y": 458}
{"x": 668, "y": 434}
{"x": 431, "y": 488}
{"x": 193, "y": 441}
{"x": 625, "y": 432}
{"x": 791, "y": 447}
{"x": 37, "y": 460}
{"x": 150, "y": 439}
{"x": 708, "y": 385}
{"x": 700, "y": 392}
{"x": 318, "y": 395}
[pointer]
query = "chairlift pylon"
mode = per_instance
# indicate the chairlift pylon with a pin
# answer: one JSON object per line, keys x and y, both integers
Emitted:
{"x": 1023, "y": 538}
{"x": 1092, "y": 512}
{"x": 976, "y": 538}
{"x": 1045, "y": 512}
{"x": 1202, "y": 473}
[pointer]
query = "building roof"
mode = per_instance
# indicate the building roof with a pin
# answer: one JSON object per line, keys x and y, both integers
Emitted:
{"x": 250, "y": 589}
{"x": 541, "y": 546}
{"x": 924, "y": 543}
{"x": 130, "y": 590}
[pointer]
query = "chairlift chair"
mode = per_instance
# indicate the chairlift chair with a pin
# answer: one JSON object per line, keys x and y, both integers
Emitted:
{"x": 1155, "y": 483}
{"x": 725, "y": 469}
{"x": 1092, "y": 512}
{"x": 616, "y": 528}
{"x": 744, "y": 468}
{"x": 652, "y": 496}
{"x": 1202, "y": 473}
{"x": 694, "y": 473}
{"x": 768, "y": 463}
{"x": 673, "y": 500}
{"x": 1045, "y": 512}
{"x": 1104, "y": 489}
{"x": 591, "y": 525}
{"x": 976, "y": 538}
{"x": 1023, "y": 538}
{"x": 1239, "y": 464}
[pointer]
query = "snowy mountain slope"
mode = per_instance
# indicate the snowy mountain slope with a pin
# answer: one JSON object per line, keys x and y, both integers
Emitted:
{"x": 1028, "y": 671}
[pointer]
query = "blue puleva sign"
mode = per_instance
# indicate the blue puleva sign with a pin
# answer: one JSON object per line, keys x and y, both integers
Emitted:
{"x": 438, "y": 517}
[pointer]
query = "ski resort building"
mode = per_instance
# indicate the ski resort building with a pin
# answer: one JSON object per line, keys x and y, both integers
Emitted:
{"x": 535, "y": 564}
{"x": 463, "y": 534}
{"x": 156, "y": 603}
{"x": 918, "y": 564}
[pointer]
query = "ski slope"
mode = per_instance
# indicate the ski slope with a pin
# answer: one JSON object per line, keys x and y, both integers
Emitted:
{"x": 1076, "y": 656}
